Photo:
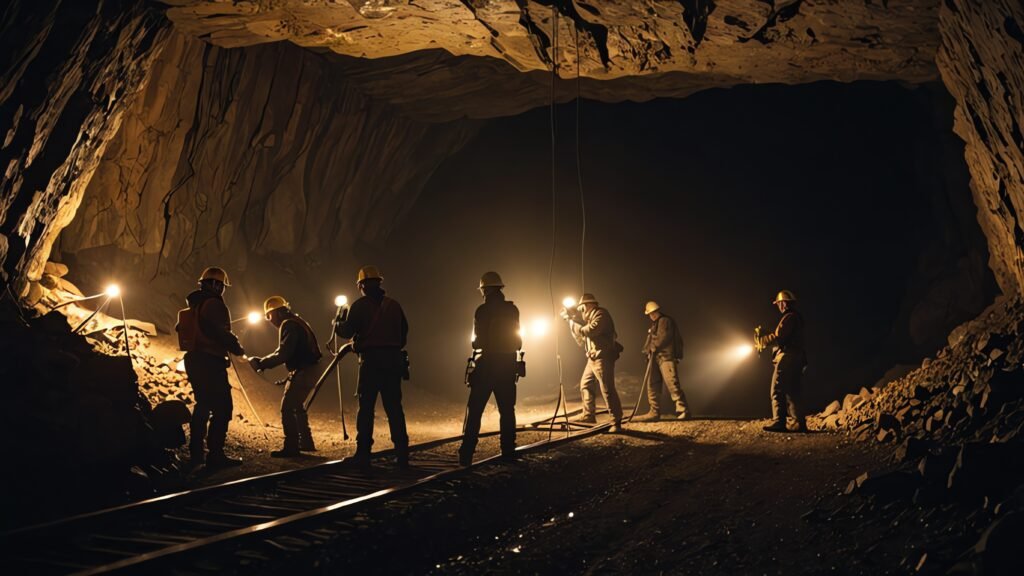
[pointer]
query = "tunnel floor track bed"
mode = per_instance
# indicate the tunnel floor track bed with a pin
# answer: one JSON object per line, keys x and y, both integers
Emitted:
{"x": 252, "y": 519}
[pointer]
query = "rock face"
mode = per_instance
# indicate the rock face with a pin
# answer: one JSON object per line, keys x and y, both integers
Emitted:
{"x": 725, "y": 41}
{"x": 265, "y": 152}
{"x": 981, "y": 64}
{"x": 69, "y": 72}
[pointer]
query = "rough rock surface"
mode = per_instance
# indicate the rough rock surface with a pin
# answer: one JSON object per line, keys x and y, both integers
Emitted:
{"x": 231, "y": 155}
{"x": 981, "y": 60}
{"x": 68, "y": 73}
{"x": 731, "y": 41}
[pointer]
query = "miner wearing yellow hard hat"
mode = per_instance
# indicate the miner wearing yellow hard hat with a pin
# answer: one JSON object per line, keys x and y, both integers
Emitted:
{"x": 789, "y": 358}
{"x": 664, "y": 350}
{"x": 594, "y": 330}
{"x": 378, "y": 329}
{"x": 207, "y": 367}
{"x": 299, "y": 351}
{"x": 496, "y": 342}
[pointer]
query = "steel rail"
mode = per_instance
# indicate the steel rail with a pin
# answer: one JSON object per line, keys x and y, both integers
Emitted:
{"x": 330, "y": 477}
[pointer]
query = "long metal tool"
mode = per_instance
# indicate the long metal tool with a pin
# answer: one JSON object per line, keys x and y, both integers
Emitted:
{"x": 342, "y": 352}
{"x": 643, "y": 387}
{"x": 249, "y": 402}
{"x": 341, "y": 395}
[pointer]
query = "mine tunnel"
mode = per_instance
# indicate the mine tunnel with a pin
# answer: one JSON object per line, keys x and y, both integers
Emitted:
{"x": 765, "y": 262}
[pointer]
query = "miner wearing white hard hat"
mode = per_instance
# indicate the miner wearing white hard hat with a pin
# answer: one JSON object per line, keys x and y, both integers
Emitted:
{"x": 664, "y": 350}
{"x": 789, "y": 358}
{"x": 299, "y": 351}
{"x": 496, "y": 342}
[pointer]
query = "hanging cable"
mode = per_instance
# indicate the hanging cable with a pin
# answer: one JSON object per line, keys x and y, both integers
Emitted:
{"x": 579, "y": 164}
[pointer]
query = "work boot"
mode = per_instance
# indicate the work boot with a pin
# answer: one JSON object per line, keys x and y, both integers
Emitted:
{"x": 616, "y": 427}
{"x": 651, "y": 416}
{"x": 510, "y": 456}
{"x": 775, "y": 427}
{"x": 402, "y": 460}
{"x": 801, "y": 427}
{"x": 683, "y": 415}
{"x": 221, "y": 460}
{"x": 307, "y": 446}
{"x": 285, "y": 453}
{"x": 465, "y": 460}
{"x": 585, "y": 419}
{"x": 359, "y": 459}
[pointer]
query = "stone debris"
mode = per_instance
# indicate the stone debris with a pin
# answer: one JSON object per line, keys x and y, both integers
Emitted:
{"x": 957, "y": 471}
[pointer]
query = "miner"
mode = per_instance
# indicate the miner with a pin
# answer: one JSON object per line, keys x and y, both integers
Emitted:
{"x": 664, "y": 349}
{"x": 378, "y": 329}
{"x": 496, "y": 343}
{"x": 299, "y": 351}
{"x": 207, "y": 369}
{"x": 594, "y": 330}
{"x": 789, "y": 358}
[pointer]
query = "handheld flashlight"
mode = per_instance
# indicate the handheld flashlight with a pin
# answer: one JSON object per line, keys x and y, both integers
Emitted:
{"x": 569, "y": 302}
{"x": 340, "y": 300}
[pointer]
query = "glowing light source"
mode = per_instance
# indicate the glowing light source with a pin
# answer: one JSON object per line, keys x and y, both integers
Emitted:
{"x": 539, "y": 327}
{"x": 112, "y": 291}
{"x": 569, "y": 302}
{"x": 340, "y": 300}
{"x": 743, "y": 350}
{"x": 522, "y": 331}
{"x": 253, "y": 317}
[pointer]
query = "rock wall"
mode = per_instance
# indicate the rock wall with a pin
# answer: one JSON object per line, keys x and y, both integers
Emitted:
{"x": 68, "y": 72}
{"x": 256, "y": 153}
{"x": 981, "y": 60}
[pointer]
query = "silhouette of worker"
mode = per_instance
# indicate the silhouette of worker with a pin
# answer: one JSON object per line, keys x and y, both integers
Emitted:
{"x": 299, "y": 351}
{"x": 664, "y": 349}
{"x": 496, "y": 342}
{"x": 207, "y": 369}
{"x": 378, "y": 329}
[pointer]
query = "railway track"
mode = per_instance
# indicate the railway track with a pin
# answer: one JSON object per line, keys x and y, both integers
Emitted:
{"x": 250, "y": 521}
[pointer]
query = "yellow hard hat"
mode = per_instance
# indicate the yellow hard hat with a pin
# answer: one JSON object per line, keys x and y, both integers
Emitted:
{"x": 214, "y": 273}
{"x": 651, "y": 307}
{"x": 491, "y": 279}
{"x": 784, "y": 296}
{"x": 273, "y": 303}
{"x": 368, "y": 273}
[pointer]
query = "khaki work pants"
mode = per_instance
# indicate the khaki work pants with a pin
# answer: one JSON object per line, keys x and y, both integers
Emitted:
{"x": 665, "y": 374}
{"x": 600, "y": 372}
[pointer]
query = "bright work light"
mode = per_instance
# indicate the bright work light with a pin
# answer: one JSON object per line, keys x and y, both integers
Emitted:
{"x": 112, "y": 291}
{"x": 569, "y": 302}
{"x": 539, "y": 327}
{"x": 254, "y": 317}
{"x": 340, "y": 300}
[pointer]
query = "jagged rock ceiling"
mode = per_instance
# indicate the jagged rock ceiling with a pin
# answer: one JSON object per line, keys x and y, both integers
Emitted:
{"x": 494, "y": 55}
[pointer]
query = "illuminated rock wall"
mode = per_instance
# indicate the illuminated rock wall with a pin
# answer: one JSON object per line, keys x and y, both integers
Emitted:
{"x": 982, "y": 64}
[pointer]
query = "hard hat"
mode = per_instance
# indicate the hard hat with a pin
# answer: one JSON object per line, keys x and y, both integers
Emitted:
{"x": 273, "y": 303}
{"x": 368, "y": 273}
{"x": 784, "y": 296}
{"x": 587, "y": 298}
{"x": 491, "y": 279}
{"x": 214, "y": 273}
{"x": 651, "y": 307}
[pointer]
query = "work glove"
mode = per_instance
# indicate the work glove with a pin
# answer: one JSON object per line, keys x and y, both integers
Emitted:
{"x": 256, "y": 364}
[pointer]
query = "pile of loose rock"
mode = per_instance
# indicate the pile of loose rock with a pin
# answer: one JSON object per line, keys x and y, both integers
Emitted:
{"x": 952, "y": 499}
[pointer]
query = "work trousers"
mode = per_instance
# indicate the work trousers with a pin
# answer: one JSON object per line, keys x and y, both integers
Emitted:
{"x": 600, "y": 372}
{"x": 380, "y": 372}
{"x": 494, "y": 375}
{"x": 294, "y": 420}
{"x": 786, "y": 387}
{"x": 208, "y": 375}
{"x": 665, "y": 374}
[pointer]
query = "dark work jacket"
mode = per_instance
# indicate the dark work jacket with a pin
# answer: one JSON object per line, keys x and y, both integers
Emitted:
{"x": 663, "y": 339}
{"x": 788, "y": 338}
{"x": 596, "y": 334}
{"x": 297, "y": 347}
{"x": 496, "y": 326}
{"x": 375, "y": 322}
{"x": 214, "y": 324}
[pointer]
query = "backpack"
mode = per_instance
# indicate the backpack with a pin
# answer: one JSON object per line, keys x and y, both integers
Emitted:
{"x": 188, "y": 328}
